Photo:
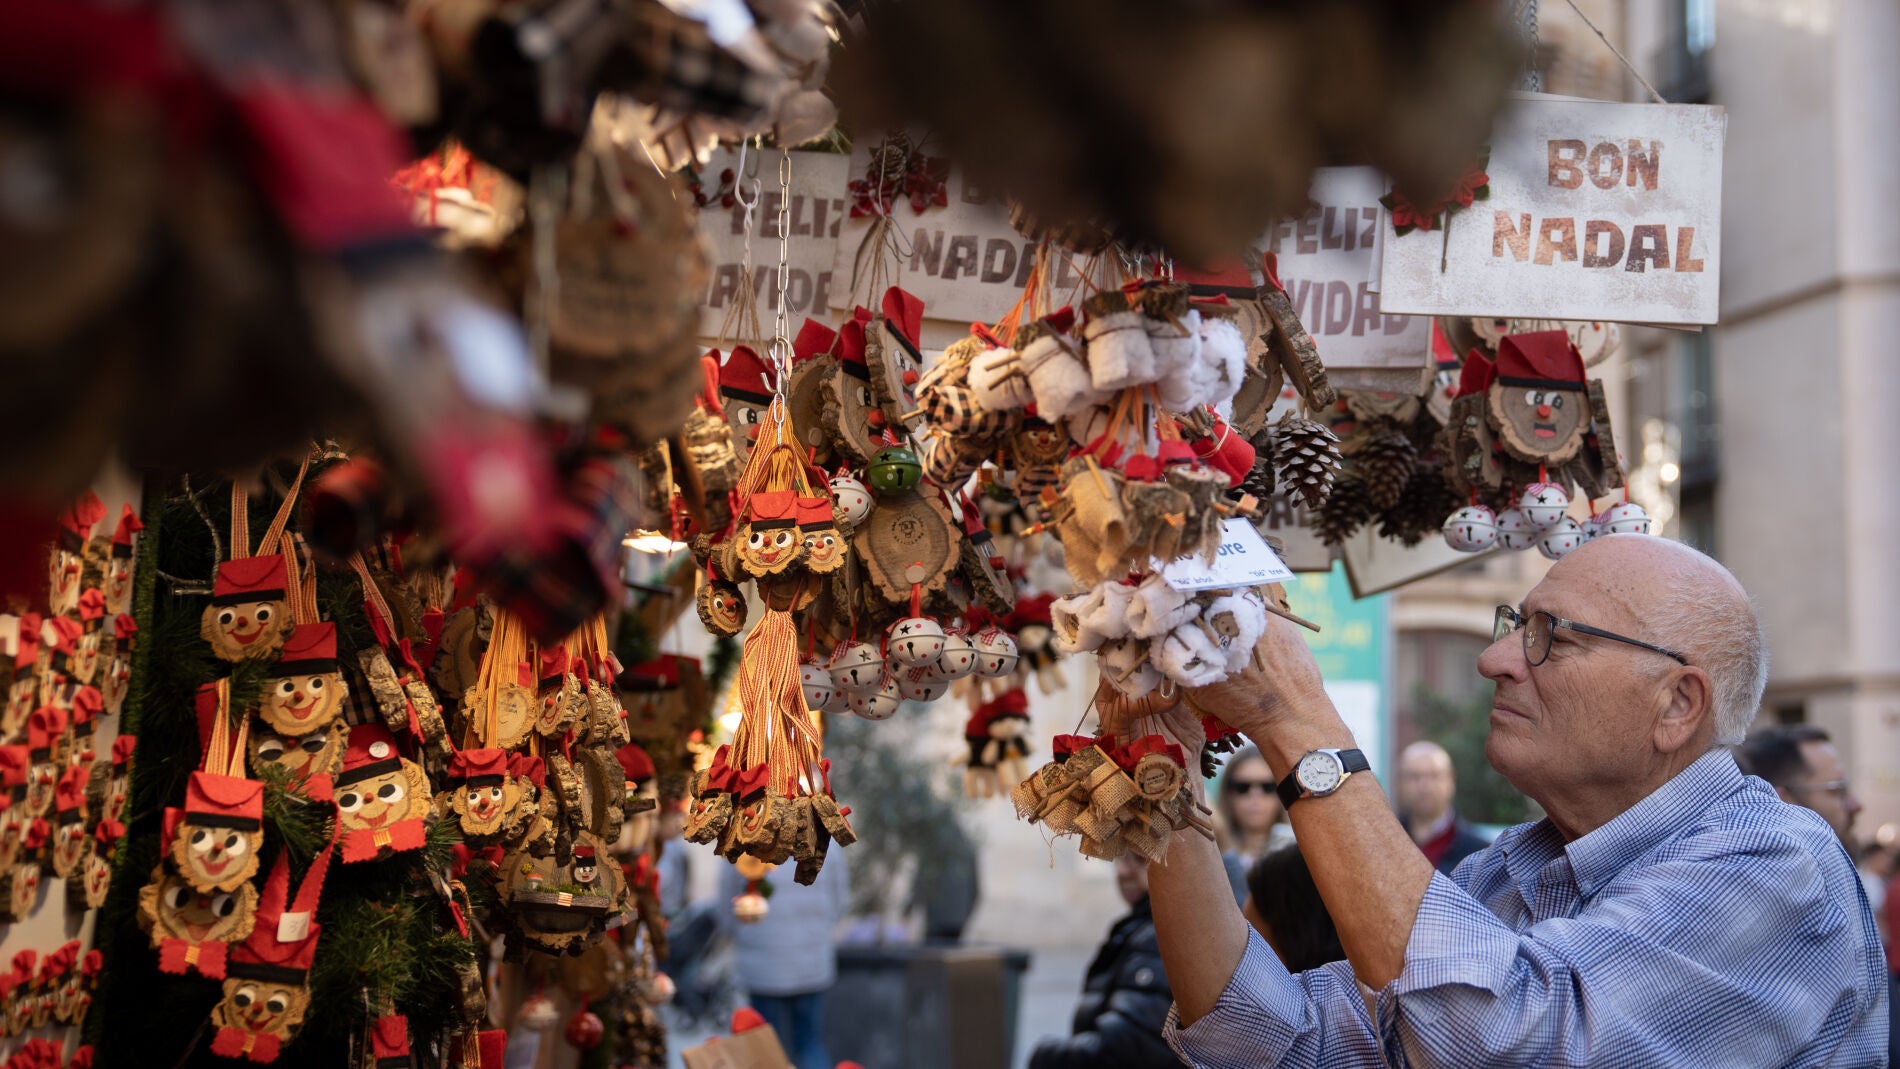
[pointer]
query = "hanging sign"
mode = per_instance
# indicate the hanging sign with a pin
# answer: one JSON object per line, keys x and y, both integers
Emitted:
{"x": 817, "y": 210}
{"x": 954, "y": 247}
{"x": 1595, "y": 211}
{"x": 1329, "y": 263}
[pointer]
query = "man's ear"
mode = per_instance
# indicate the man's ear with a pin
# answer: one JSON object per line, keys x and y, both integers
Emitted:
{"x": 1689, "y": 704}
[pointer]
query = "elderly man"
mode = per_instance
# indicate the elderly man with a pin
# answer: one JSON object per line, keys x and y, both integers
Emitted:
{"x": 1425, "y": 790}
{"x": 1668, "y": 912}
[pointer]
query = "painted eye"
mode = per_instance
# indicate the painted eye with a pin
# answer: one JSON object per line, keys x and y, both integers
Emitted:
{"x": 314, "y": 744}
{"x": 784, "y": 539}
{"x": 236, "y": 845}
{"x": 227, "y": 618}
{"x": 286, "y": 688}
{"x": 1533, "y": 397}
{"x": 390, "y": 792}
{"x": 494, "y": 794}
{"x": 224, "y": 905}
{"x": 201, "y": 841}
{"x": 244, "y": 996}
{"x": 756, "y": 539}
{"x": 1556, "y": 400}
{"x": 277, "y": 1004}
{"x": 314, "y": 684}
{"x": 177, "y": 897}
{"x": 349, "y": 801}
{"x": 829, "y": 540}
{"x": 263, "y": 614}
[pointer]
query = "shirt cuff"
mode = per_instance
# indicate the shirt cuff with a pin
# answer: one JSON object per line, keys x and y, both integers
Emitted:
{"x": 1255, "y": 1022}
{"x": 1455, "y": 940}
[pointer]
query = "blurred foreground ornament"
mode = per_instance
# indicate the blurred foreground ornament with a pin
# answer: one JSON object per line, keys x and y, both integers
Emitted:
{"x": 1087, "y": 142}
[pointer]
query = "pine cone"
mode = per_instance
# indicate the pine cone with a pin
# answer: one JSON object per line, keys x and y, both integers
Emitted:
{"x": 1421, "y": 509}
{"x": 1306, "y": 454}
{"x": 1385, "y": 460}
{"x": 1259, "y": 481}
{"x": 1344, "y": 511}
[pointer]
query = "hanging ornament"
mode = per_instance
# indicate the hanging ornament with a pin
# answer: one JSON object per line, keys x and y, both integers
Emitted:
{"x": 1471, "y": 529}
{"x": 852, "y": 497}
{"x": 1306, "y": 459}
{"x": 856, "y": 668}
{"x": 881, "y": 702}
{"x": 1560, "y": 538}
{"x": 382, "y": 797}
{"x": 537, "y": 1014}
{"x": 916, "y": 640}
{"x": 1624, "y": 517}
{"x": 816, "y": 681}
{"x": 1543, "y": 504}
{"x": 996, "y": 653}
{"x": 995, "y": 733}
{"x": 958, "y": 658}
{"x": 250, "y": 613}
{"x": 266, "y": 993}
{"x": 584, "y": 1029}
{"x": 894, "y": 470}
{"x": 1515, "y": 530}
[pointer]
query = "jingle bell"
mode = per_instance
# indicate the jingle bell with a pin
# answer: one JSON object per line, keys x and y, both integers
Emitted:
{"x": 1624, "y": 517}
{"x": 996, "y": 653}
{"x": 1515, "y": 531}
{"x": 856, "y": 668}
{"x": 880, "y": 703}
{"x": 958, "y": 658}
{"x": 1543, "y": 504}
{"x": 1471, "y": 529}
{"x": 894, "y": 470}
{"x": 916, "y": 641}
{"x": 853, "y": 498}
{"x": 816, "y": 681}
{"x": 1560, "y": 538}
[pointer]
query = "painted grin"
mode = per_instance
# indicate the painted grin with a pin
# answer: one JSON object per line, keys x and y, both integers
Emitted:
{"x": 1544, "y": 430}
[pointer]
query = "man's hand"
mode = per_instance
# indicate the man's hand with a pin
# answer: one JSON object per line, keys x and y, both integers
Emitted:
{"x": 1281, "y": 685}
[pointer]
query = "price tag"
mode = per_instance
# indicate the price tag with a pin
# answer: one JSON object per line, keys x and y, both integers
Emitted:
{"x": 293, "y": 927}
{"x": 1244, "y": 559}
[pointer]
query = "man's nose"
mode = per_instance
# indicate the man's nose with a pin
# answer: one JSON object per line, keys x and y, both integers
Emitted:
{"x": 1851, "y": 803}
{"x": 1504, "y": 659}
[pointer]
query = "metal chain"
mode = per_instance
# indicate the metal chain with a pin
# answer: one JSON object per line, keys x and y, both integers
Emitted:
{"x": 1532, "y": 79}
{"x": 781, "y": 331}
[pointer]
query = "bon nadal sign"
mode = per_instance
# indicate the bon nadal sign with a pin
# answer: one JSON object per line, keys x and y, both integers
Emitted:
{"x": 1585, "y": 210}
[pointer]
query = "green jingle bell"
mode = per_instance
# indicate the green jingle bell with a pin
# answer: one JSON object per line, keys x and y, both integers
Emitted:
{"x": 894, "y": 470}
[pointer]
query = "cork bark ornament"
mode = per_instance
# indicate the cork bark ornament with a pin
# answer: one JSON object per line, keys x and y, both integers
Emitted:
{"x": 501, "y": 707}
{"x": 250, "y": 611}
{"x": 1288, "y": 343}
{"x": 382, "y": 797}
{"x": 118, "y": 577}
{"x": 852, "y": 408}
{"x": 908, "y": 528}
{"x": 214, "y": 838}
{"x": 304, "y": 688}
{"x": 72, "y": 840}
{"x": 894, "y": 351}
{"x": 485, "y": 801}
{"x": 266, "y": 991}
{"x": 807, "y": 390}
{"x": 192, "y": 929}
{"x": 1538, "y": 400}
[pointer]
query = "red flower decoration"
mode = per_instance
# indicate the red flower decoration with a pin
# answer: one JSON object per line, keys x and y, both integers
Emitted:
{"x": 1474, "y": 185}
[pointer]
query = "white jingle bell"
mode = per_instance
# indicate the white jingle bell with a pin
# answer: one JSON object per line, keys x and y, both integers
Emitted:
{"x": 1471, "y": 529}
{"x": 815, "y": 678}
{"x": 749, "y": 908}
{"x": 852, "y": 496}
{"x": 879, "y": 703}
{"x": 958, "y": 658}
{"x": 915, "y": 641}
{"x": 1543, "y": 504}
{"x": 840, "y": 701}
{"x": 1624, "y": 517}
{"x": 856, "y": 668}
{"x": 922, "y": 684}
{"x": 1514, "y": 531}
{"x": 1560, "y": 538}
{"x": 996, "y": 653}
{"x": 1591, "y": 528}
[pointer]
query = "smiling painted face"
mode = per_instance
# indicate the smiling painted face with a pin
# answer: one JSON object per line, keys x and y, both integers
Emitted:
{"x": 95, "y": 881}
{"x": 23, "y": 891}
{"x": 246, "y": 628}
{"x": 824, "y": 550}
{"x": 722, "y": 607}
{"x": 215, "y": 857}
{"x": 483, "y": 809}
{"x": 85, "y": 662}
{"x": 67, "y": 569}
{"x": 264, "y": 1007}
{"x": 1540, "y": 423}
{"x": 379, "y": 801}
{"x": 41, "y": 779}
{"x": 71, "y": 847}
{"x": 117, "y": 682}
{"x": 172, "y": 909}
{"x": 300, "y": 704}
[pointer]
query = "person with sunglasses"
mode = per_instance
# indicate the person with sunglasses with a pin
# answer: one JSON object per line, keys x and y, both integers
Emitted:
{"x": 1667, "y": 911}
{"x": 1249, "y": 819}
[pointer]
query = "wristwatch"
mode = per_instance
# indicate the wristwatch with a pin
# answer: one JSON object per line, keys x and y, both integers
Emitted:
{"x": 1320, "y": 773}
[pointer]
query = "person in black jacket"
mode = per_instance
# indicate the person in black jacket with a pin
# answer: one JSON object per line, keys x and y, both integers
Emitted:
{"x": 1125, "y": 997}
{"x": 1426, "y": 785}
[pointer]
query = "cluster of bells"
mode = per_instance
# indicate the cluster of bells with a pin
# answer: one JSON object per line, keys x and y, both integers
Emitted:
{"x": 919, "y": 661}
{"x": 1540, "y": 519}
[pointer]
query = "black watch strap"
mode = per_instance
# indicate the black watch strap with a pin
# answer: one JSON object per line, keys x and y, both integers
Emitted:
{"x": 1290, "y": 791}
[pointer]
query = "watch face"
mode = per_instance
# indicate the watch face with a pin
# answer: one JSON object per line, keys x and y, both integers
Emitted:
{"x": 1320, "y": 772}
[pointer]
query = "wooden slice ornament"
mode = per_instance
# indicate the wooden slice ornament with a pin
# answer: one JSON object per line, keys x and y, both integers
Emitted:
{"x": 896, "y": 358}
{"x": 807, "y": 389}
{"x": 250, "y": 612}
{"x": 1538, "y": 401}
{"x": 1289, "y": 343}
{"x": 501, "y": 707}
{"x": 853, "y": 411}
{"x": 189, "y": 929}
{"x": 905, "y": 529}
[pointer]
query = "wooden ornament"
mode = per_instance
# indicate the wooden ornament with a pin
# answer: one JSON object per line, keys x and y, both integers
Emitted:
{"x": 182, "y": 922}
{"x": 909, "y": 528}
{"x": 807, "y": 392}
{"x": 722, "y": 606}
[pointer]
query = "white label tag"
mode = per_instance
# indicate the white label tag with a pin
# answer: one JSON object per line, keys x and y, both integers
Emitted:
{"x": 293, "y": 927}
{"x": 1244, "y": 559}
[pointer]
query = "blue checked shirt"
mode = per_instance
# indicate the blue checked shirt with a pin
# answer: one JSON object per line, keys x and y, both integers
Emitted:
{"x": 1710, "y": 925}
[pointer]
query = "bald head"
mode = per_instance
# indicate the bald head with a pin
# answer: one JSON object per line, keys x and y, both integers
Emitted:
{"x": 1674, "y": 596}
{"x": 1425, "y": 754}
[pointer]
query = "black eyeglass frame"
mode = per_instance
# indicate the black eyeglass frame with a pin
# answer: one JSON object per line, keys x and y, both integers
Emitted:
{"x": 1509, "y": 620}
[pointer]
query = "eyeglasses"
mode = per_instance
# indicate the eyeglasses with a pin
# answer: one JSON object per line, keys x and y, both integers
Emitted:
{"x": 1248, "y": 786}
{"x": 1837, "y": 787}
{"x": 1539, "y": 626}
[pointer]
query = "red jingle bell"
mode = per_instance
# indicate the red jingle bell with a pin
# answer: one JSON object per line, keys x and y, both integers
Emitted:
{"x": 584, "y": 1029}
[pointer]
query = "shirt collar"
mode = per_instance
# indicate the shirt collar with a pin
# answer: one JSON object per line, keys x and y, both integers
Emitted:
{"x": 1597, "y": 857}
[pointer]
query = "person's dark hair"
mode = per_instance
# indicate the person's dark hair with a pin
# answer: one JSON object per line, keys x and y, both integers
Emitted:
{"x": 1286, "y": 898}
{"x": 1774, "y": 753}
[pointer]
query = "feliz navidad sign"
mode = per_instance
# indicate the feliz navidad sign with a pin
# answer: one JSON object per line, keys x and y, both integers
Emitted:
{"x": 1593, "y": 211}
